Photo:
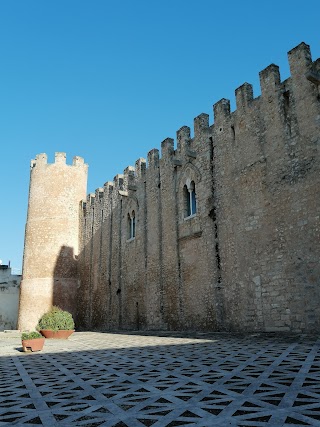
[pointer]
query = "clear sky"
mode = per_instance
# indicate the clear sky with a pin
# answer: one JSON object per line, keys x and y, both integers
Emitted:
{"x": 109, "y": 80}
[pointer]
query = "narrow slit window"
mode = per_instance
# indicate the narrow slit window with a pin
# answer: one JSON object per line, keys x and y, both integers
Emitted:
{"x": 186, "y": 198}
{"x": 193, "y": 202}
{"x": 190, "y": 199}
{"x": 131, "y": 225}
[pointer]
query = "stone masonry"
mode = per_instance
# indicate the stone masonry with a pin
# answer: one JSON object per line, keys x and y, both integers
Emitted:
{"x": 218, "y": 233}
{"x": 49, "y": 274}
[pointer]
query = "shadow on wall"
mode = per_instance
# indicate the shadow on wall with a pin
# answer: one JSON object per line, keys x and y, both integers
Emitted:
{"x": 65, "y": 280}
{"x": 111, "y": 292}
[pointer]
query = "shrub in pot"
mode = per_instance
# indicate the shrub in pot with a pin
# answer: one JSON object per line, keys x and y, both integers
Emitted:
{"x": 32, "y": 341}
{"x": 56, "y": 323}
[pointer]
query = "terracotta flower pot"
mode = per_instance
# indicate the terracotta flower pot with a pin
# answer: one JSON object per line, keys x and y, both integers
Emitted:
{"x": 61, "y": 334}
{"x": 34, "y": 344}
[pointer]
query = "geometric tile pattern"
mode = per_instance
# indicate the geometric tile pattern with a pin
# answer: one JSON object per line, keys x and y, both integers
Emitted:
{"x": 119, "y": 380}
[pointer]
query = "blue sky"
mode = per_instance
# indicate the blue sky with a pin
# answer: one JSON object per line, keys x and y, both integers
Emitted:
{"x": 109, "y": 80}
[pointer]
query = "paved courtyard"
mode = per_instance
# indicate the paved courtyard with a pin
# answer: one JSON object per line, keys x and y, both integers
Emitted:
{"x": 159, "y": 379}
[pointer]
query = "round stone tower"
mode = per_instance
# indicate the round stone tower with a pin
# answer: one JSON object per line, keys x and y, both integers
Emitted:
{"x": 51, "y": 247}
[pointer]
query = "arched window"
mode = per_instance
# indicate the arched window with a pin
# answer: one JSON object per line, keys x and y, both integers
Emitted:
{"x": 131, "y": 225}
{"x": 189, "y": 191}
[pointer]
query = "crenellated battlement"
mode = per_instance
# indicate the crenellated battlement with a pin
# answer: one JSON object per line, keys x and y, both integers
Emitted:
{"x": 90, "y": 199}
{"x": 221, "y": 111}
{"x": 78, "y": 161}
{"x": 300, "y": 59}
{"x": 303, "y": 71}
{"x": 40, "y": 160}
{"x": 244, "y": 96}
{"x": 99, "y": 193}
{"x": 269, "y": 80}
{"x": 108, "y": 186}
{"x": 167, "y": 147}
{"x": 153, "y": 158}
{"x": 118, "y": 181}
{"x": 129, "y": 172}
{"x": 129, "y": 175}
{"x": 183, "y": 138}
{"x": 59, "y": 159}
{"x": 140, "y": 167}
{"x": 201, "y": 124}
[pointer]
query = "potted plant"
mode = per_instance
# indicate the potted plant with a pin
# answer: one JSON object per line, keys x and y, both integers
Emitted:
{"x": 32, "y": 341}
{"x": 56, "y": 323}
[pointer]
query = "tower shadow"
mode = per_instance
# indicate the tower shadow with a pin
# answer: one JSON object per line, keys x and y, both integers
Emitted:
{"x": 65, "y": 280}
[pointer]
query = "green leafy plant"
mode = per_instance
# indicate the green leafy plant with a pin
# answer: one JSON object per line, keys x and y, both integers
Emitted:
{"x": 55, "y": 320}
{"x": 30, "y": 335}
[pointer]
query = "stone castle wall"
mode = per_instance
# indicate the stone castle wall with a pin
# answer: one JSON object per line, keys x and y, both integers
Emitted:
{"x": 249, "y": 258}
{"x": 246, "y": 257}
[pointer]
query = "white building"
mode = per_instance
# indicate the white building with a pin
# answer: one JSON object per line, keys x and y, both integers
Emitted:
{"x": 9, "y": 297}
